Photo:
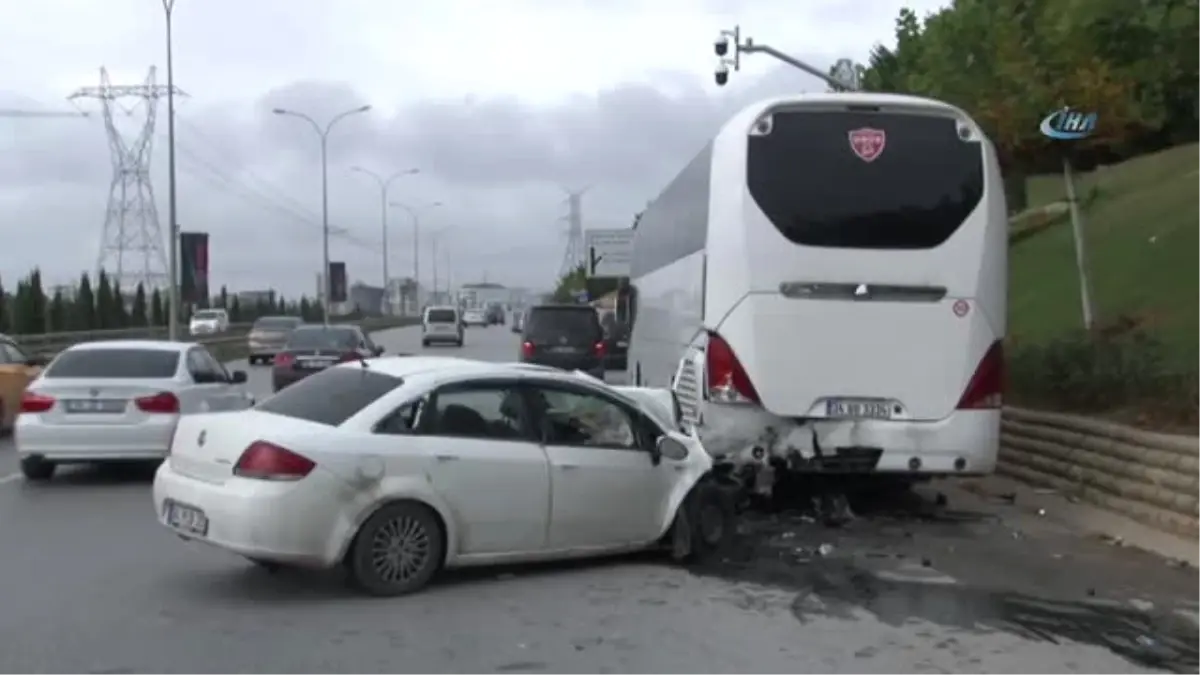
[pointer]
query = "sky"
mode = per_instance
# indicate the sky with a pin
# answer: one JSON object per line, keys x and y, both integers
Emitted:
{"x": 499, "y": 107}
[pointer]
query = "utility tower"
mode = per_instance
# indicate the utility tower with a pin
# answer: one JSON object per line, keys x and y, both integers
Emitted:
{"x": 574, "y": 256}
{"x": 131, "y": 246}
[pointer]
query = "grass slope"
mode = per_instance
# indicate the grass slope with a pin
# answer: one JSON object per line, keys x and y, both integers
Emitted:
{"x": 1141, "y": 225}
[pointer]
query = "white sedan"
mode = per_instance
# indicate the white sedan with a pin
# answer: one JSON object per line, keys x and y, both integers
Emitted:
{"x": 398, "y": 467}
{"x": 474, "y": 317}
{"x": 118, "y": 400}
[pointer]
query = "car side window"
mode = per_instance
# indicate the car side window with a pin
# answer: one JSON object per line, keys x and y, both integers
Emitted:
{"x": 495, "y": 412}
{"x": 213, "y": 364}
{"x": 582, "y": 419}
{"x": 201, "y": 367}
{"x": 9, "y": 354}
{"x": 403, "y": 420}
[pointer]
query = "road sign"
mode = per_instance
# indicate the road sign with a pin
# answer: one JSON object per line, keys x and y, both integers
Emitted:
{"x": 608, "y": 252}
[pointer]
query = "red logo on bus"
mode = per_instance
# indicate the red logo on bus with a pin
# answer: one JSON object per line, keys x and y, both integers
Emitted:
{"x": 961, "y": 307}
{"x": 868, "y": 143}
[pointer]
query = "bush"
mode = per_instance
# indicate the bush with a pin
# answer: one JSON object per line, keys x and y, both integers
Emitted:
{"x": 1114, "y": 371}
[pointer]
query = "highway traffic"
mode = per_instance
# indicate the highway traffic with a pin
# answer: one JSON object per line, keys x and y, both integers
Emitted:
{"x": 89, "y": 582}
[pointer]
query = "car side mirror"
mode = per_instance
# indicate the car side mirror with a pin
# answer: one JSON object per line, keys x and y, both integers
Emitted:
{"x": 36, "y": 362}
{"x": 238, "y": 377}
{"x": 669, "y": 447}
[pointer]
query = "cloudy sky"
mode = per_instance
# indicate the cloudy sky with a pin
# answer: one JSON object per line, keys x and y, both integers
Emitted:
{"x": 500, "y": 105}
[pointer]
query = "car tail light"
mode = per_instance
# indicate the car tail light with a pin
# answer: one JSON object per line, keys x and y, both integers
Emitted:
{"x": 162, "y": 402}
{"x": 600, "y": 348}
{"x": 284, "y": 360}
{"x": 527, "y": 349}
{"x": 727, "y": 379}
{"x": 267, "y": 461}
{"x": 985, "y": 391}
{"x": 35, "y": 403}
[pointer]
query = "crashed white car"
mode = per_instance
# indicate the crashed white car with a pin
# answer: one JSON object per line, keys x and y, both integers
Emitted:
{"x": 398, "y": 467}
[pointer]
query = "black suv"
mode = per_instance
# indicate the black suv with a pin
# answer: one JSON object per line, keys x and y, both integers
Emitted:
{"x": 564, "y": 336}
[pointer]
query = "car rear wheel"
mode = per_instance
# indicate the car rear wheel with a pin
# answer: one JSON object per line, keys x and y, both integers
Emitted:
{"x": 36, "y": 469}
{"x": 424, "y": 343}
{"x": 398, "y": 550}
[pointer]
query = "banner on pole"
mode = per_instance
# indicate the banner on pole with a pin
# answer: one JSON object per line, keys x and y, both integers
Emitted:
{"x": 193, "y": 267}
{"x": 337, "y": 282}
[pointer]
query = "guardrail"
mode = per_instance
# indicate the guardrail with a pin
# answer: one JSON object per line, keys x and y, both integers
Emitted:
{"x": 46, "y": 345}
{"x": 1149, "y": 477}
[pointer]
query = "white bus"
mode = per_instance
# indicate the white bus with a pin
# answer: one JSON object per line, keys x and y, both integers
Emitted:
{"x": 825, "y": 286}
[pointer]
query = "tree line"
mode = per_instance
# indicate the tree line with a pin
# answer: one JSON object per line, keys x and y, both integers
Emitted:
{"x": 1009, "y": 63}
{"x": 29, "y": 310}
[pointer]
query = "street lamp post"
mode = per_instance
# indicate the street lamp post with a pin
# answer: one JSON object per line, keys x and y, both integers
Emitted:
{"x": 847, "y": 80}
{"x": 384, "y": 184}
{"x": 437, "y": 235}
{"x": 415, "y": 213}
{"x": 172, "y": 212}
{"x": 323, "y": 133}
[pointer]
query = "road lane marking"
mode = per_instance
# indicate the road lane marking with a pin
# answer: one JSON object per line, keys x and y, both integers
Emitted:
{"x": 10, "y": 478}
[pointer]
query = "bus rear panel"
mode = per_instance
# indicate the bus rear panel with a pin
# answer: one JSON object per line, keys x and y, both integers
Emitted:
{"x": 871, "y": 247}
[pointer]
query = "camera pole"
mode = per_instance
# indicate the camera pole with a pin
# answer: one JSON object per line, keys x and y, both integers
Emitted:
{"x": 849, "y": 82}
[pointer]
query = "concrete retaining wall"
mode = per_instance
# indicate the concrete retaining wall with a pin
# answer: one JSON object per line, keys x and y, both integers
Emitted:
{"x": 1147, "y": 476}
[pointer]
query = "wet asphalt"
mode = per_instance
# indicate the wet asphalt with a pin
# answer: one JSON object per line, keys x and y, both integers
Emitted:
{"x": 89, "y": 582}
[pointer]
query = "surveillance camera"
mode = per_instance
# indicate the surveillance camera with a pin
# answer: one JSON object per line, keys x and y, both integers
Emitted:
{"x": 721, "y": 45}
{"x": 722, "y": 74}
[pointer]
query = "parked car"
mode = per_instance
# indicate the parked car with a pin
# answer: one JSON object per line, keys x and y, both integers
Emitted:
{"x": 268, "y": 336}
{"x": 17, "y": 370}
{"x": 209, "y": 322}
{"x": 474, "y": 317}
{"x": 312, "y": 348}
{"x": 119, "y": 400}
{"x": 564, "y": 336}
{"x": 441, "y": 324}
{"x": 404, "y": 467}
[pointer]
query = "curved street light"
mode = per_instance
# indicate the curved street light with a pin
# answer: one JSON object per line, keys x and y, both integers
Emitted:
{"x": 415, "y": 213}
{"x": 384, "y": 182}
{"x": 323, "y": 133}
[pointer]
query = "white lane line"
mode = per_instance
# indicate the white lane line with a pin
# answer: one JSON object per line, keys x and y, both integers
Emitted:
{"x": 10, "y": 478}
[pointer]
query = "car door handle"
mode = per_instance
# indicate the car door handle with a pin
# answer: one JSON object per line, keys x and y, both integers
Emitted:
{"x": 447, "y": 458}
{"x": 568, "y": 467}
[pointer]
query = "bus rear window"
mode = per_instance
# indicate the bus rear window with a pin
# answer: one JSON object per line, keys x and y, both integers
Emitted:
{"x": 866, "y": 180}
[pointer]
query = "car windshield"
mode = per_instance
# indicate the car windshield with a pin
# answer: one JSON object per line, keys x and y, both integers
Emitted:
{"x": 206, "y": 316}
{"x": 276, "y": 323}
{"x": 442, "y": 316}
{"x": 323, "y": 338}
{"x": 114, "y": 363}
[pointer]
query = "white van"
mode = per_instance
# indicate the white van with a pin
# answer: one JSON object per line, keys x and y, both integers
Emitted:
{"x": 442, "y": 324}
{"x": 208, "y": 322}
{"x": 825, "y": 285}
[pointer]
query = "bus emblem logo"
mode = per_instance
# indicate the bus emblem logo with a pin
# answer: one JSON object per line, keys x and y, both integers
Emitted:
{"x": 961, "y": 307}
{"x": 868, "y": 143}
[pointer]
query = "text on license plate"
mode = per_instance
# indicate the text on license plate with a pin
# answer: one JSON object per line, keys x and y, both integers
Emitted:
{"x": 94, "y": 406}
{"x": 186, "y": 518}
{"x": 314, "y": 363}
{"x": 563, "y": 350}
{"x": 877, "y": 410}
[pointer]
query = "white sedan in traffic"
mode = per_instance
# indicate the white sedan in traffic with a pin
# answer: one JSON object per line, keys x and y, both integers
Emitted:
{"x": 119, "y": 400}
{"x": 398, "y": 467}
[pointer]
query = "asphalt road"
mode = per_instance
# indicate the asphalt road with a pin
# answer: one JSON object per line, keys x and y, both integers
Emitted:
{"x": 89, "y": 582}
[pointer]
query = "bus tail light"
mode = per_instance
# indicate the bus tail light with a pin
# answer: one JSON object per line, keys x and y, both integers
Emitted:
{"x": 985, "y": 391}
{"x": 728, "y": 381}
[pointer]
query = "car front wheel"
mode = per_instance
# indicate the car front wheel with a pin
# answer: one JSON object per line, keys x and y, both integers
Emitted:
{"x": 398, "y": 550}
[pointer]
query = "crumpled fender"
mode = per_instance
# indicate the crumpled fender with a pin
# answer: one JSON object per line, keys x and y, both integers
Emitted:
{"x": 697, "y": 465}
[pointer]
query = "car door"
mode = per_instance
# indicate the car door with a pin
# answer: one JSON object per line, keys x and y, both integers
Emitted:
{"x": 15, "y": 375}
{"x": 205, "y": 393}
{"x": 225, "y": 395}
{"x": 487, "y": 466}
{"x": 605, "y": 489}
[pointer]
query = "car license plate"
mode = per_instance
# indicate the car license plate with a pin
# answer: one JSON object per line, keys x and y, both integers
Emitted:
{"x": 563, "y": 350}
{"x": 848, "y": 408}
{"x": 314, "y": 364}
{"x": 94, "y": 406}
{"x": 186, "y": 518}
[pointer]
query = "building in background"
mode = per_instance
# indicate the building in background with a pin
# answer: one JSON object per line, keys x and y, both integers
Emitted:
{"x": 483, "y": 294}
{"x": 400, "y": 298}
{"x": 250, "y": 298}
{"x": 363, "y": 299}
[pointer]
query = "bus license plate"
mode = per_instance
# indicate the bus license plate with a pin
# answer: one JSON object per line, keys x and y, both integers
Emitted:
{"x": 187, "y": 518}
{"x": 842, "y": 408}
